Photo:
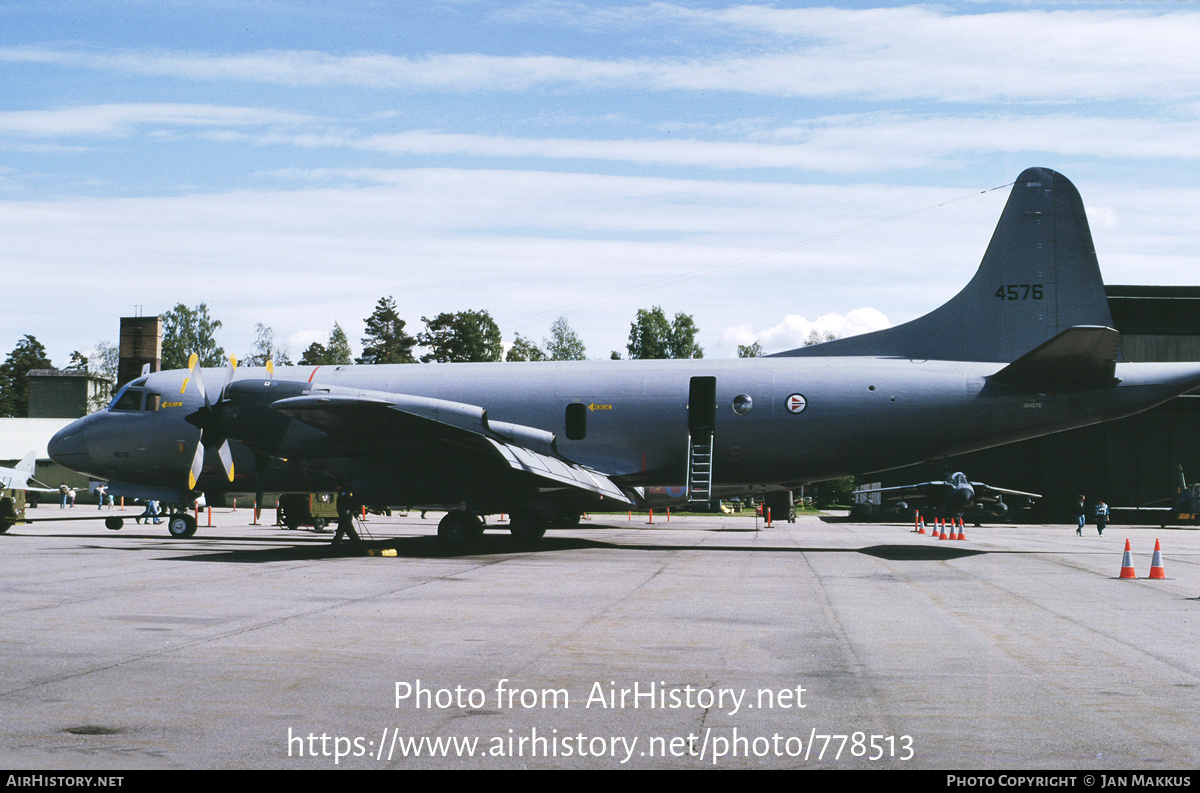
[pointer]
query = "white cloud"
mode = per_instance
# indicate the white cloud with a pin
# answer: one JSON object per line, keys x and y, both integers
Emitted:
{"x": 121, "y": 119}
{"x": 913, "y": 52}
{"x": 526, "y": 246}
{"x": 794, "y": 330}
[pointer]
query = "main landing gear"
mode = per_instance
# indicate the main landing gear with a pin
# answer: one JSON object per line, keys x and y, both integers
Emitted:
{"x": 459, "y": 529}
{"x": 527, "y": 527}
{"x": 181, "y": 525}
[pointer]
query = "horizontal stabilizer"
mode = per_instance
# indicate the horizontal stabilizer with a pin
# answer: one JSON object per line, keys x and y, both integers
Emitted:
{"x": 1080, "y": 357}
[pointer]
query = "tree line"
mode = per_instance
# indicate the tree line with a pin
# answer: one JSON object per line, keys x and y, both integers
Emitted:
{"x": 449, "y": 337}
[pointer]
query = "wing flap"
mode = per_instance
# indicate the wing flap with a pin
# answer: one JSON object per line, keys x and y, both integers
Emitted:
{"x": 559, "y": 471}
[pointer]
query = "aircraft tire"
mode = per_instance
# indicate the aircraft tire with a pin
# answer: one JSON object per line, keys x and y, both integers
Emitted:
{"x": 459, "y": 529}
{"x": 113, "y": 523}
{"x": 318, "y": 524}
{"x": 181, "y": 525}
{"x": 527, "y": 528}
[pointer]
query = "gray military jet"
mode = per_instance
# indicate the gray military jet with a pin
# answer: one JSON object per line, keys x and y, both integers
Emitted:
{"x": 1025, "y": 349}
{"x": 952, "y": 497}
{"x": 20, "y": 475}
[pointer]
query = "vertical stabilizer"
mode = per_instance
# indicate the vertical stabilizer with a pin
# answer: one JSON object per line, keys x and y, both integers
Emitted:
{"x": 1038, "y": 277}
{"x": 27, "y": 464}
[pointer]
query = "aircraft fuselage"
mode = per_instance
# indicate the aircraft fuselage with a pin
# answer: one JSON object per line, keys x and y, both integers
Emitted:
{"x": 775, "y": 422}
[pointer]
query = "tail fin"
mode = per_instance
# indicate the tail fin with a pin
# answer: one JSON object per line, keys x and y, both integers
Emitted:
{"x": 1038, "y": 277}
{"x": 27, "y": 464}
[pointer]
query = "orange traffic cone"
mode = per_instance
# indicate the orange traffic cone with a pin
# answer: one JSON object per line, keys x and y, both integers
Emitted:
{"x": 919, "y": 528}
{"x": 1156, "y": 565}
{"x": 1127, "y": 564}
{"x": 962, "y": 530}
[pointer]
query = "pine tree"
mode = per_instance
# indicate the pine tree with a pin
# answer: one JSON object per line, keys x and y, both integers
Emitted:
{"x": 386, "y": 341}
{"x": 14, "y": 376}
{"x": 338, "y": 349}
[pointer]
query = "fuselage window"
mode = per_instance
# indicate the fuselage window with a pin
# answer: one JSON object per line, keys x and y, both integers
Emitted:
{"x": 576, "y": 421}
{"x": 152, "y": 400}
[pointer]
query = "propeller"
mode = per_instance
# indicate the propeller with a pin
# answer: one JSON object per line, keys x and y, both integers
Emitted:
{"x": 208, "y": 419}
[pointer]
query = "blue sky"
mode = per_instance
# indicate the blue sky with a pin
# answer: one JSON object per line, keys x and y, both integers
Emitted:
{"x": 766, "y": 168}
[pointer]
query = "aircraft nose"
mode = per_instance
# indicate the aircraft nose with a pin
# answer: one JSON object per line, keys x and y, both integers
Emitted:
{"x": 69, "y": 447}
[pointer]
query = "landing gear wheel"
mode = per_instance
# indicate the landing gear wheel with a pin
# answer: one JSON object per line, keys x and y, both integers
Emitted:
{"x": 460, "y": 529}
{"x": 181, "y": 525}
{"x": 527, "y": 528}
{"x": 113, "y": 523}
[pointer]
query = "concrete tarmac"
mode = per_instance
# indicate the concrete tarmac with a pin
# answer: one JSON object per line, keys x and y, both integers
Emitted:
{"x": 695, "y": 643}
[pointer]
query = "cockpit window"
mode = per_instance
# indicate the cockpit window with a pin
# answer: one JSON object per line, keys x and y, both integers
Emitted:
{"x": 127, "y": 399}
{"x": 133, "y": 397}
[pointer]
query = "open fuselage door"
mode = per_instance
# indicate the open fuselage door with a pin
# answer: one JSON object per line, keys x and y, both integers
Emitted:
{"x": 702, "y": 420}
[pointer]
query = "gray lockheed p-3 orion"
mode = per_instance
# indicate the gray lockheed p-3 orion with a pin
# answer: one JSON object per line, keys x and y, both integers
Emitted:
{"x": 1025, "y": 349}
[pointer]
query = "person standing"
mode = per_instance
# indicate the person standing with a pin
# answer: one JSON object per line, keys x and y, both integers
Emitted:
{"x": 1101, "y": 517}
{"x": 1080, "y": 515}
{"x": 346, "y": 507}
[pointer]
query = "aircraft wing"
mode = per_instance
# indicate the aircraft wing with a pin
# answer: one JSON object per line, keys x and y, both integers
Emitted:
{"x": 984, "y": 491}
{"x": 920, "y": 489}
{"x": 450, "y": 429}
{"x": 924, "y": 488}
{"x": 16, "y": 484}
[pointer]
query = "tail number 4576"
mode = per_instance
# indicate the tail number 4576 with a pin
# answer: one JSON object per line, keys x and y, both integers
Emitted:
{"x": 1020, "y": 292}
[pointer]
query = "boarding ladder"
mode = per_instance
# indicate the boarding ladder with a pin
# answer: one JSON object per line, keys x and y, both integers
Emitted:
{"x": 699, "y": 472}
